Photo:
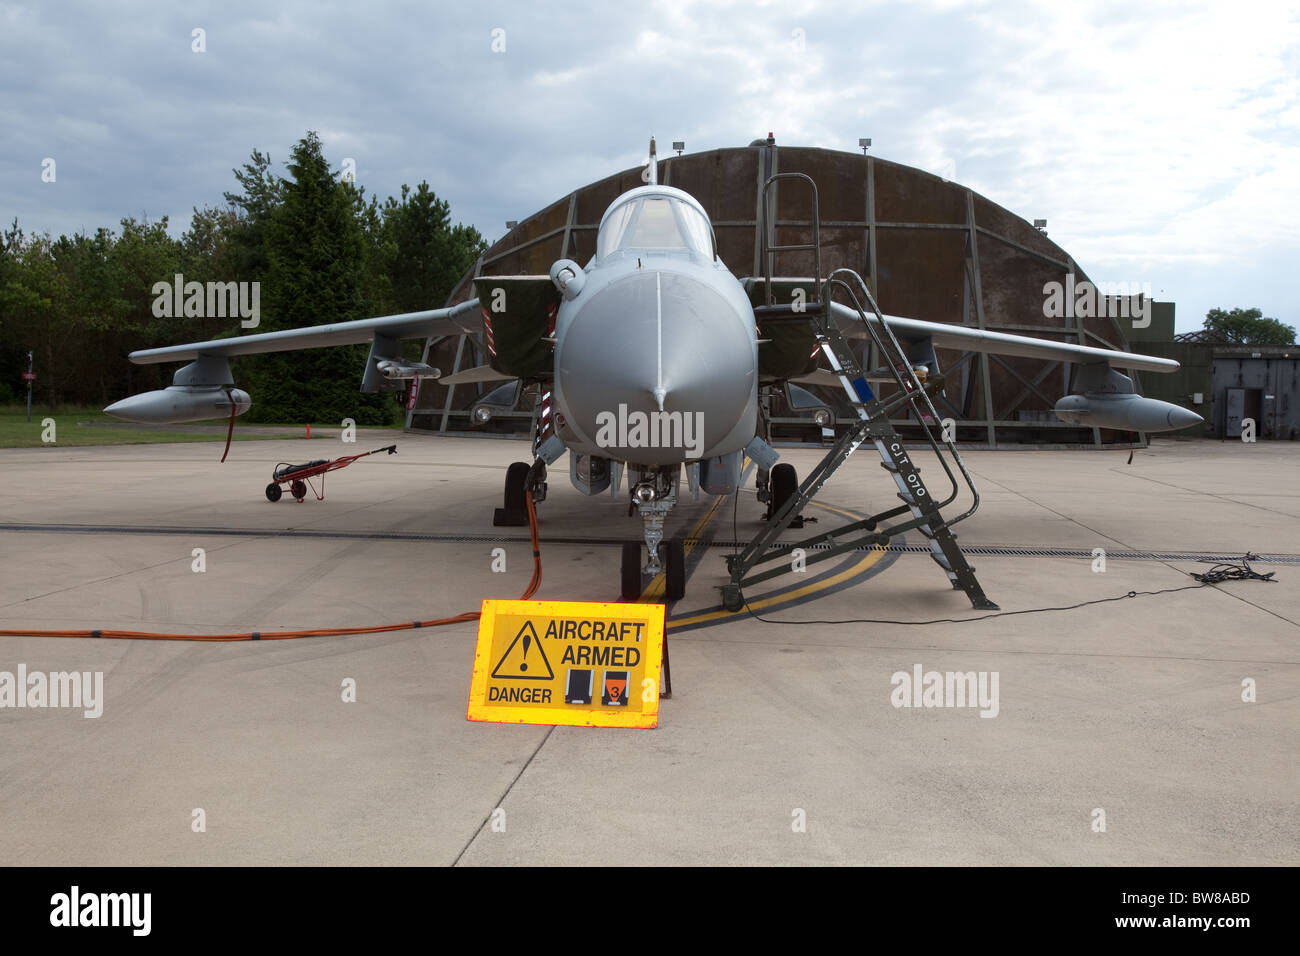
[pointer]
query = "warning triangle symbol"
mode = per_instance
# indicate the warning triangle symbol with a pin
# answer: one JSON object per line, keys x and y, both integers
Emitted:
{"x": 524, "y": 659}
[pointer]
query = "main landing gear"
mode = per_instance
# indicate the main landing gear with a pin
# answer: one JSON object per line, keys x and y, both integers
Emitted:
{"x": 776, "y": 488}
{"x": 782, "y": 486}
{"x": 518, "y": 477}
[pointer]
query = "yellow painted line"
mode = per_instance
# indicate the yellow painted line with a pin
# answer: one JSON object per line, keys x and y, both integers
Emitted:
{"x": 655, "y": 589}
{"x": 869, "y": 560}
{"x": 876, "y": 553}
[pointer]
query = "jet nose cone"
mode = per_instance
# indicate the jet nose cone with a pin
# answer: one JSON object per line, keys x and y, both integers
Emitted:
{"x": 656, "y": 344}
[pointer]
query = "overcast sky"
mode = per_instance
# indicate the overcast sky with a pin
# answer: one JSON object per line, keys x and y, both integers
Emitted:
{"x": 1161, "y": 141}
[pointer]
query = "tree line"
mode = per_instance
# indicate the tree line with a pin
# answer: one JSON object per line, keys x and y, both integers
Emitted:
{"x": 1245, "y": 327}
{"x": 318, "y": 248}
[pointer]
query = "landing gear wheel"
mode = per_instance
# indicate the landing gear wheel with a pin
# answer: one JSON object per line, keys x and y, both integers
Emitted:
{"x": 631, "y": 570}
{"x": 298, "y": 489}
{"x": 273, "y": 492}
{"x": 516, "y": 475}
{"x": 673, "y": 555}
{"x": 515, "y": 512}
{"x": 785, "y": 482}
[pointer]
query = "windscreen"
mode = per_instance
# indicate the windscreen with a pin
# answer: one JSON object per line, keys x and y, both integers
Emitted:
{"x": 655, "y": 223}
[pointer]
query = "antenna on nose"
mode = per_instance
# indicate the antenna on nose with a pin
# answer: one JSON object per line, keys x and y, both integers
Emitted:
{"x": 653, "y": 169}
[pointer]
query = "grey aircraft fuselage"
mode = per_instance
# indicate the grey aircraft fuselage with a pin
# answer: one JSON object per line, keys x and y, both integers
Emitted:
{"x": 656, "y": 349}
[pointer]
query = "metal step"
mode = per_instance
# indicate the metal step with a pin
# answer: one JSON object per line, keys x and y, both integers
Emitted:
{"x": 874, "y": 425}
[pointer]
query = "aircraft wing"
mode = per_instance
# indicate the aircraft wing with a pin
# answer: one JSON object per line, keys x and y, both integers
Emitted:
{"x": 1002, "y": 343}
{"x": 456, "y": 320}
{"x": 1108, "y": 399}
{"x": 1101, "y": 396}
{"x": 204, "y": 388}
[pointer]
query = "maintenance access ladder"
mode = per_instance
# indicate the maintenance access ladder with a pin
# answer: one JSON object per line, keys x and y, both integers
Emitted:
{"x": 873, "y": 425}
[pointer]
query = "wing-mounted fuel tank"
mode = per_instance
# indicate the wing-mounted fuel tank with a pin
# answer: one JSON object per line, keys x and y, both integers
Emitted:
{"x": 518, "y": 320}
{"x": 1108, "y": 401}
{"x": 201, "y": 390}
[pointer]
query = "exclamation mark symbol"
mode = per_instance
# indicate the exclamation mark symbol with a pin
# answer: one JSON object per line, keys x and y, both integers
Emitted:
{"x": 527, "y": 640}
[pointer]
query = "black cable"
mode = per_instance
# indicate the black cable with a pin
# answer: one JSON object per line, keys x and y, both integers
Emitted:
{"x": 1234, "y": 572}
{"x": 1225, "y": 572}
{"x": 735, "y": 536}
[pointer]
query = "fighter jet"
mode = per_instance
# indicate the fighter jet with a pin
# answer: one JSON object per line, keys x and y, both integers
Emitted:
{"x": 647, "y": 361}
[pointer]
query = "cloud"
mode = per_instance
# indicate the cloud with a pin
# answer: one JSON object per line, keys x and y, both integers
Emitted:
{"x": 1159, "y": 140}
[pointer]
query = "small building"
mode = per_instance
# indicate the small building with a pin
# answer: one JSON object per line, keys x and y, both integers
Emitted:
{"x": 1224, "y": 384}
{"x": 1259, "y": 382}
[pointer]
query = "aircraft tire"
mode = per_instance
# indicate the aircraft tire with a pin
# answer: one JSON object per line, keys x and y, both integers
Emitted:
{"x": 631, "y": 570}
{"x": 516, "y": 477}
{"x": 674, "y": 569}
{"x": 785, "y": 482}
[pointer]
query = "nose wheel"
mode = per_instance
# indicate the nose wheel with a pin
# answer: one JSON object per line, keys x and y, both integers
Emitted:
{"x": 675, "y": 569}
{"x": 631, "y": 570}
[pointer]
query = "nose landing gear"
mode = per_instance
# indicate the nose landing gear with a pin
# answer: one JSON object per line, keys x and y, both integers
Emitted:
{"x": 653, "y": 498}
{"x": 671, "y": 561}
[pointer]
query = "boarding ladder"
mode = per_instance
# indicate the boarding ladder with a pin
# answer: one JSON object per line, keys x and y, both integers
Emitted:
{"x": 920, "y": 509}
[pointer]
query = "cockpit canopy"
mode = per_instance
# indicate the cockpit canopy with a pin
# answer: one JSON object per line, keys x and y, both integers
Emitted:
{"x": 655, "y": 219}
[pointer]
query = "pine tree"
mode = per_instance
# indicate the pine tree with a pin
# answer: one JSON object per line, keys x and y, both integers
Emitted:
{"x": 315, "y": 257}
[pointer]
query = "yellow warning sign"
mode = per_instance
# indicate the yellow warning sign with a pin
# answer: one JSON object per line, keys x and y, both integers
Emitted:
{"x": 567, "y": 662}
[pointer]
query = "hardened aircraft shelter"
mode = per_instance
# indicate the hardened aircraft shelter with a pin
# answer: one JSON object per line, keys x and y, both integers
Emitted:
{"x": 929, "y": 248}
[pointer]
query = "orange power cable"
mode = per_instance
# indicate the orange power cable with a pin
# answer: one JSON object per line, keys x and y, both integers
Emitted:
{"x": 533, "y": 585}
